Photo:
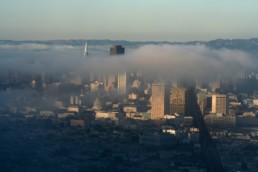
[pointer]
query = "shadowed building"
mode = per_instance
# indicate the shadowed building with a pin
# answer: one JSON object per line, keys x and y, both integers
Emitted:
{"x": 181, "y": 101}
{"x": 117, "y": 50}
{"x": 209, "y": 151}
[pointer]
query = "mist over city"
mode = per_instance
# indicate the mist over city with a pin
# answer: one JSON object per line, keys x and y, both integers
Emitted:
{"x": 167, "y": 61}
{"x": 133, "y": 86}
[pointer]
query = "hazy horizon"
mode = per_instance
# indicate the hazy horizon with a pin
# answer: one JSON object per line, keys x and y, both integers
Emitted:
{"x": 127, "y": 40}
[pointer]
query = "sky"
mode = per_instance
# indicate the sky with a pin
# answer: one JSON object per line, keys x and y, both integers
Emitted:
{"x": 134, "y": 20}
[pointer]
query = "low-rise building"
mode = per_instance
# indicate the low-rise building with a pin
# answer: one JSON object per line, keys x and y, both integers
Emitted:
{"x": 64, "y": 115}
{"x": 220, "y": 120}
{"x": 77, "y": 123}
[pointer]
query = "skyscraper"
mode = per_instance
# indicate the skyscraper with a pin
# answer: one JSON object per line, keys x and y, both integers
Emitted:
{"x": 181, "y": 101}
{"x": 202, "y": 100}
{"x": 117, "y": 50}
{"x": 158, "y": 101}
{"x": 110, "y": 83}
{"x": 122, "y": 83}
{"x": 86, "y": 49}
{"x": 219, "y": 104}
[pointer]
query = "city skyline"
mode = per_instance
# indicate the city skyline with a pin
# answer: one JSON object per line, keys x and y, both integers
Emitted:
{"x": 155, "y": 20}
{"x": 108, "y": 85}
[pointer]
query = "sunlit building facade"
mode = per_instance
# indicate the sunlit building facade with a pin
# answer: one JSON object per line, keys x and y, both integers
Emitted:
{"x": 122, "y": 83}
{"x": 219, "y": 104}
{"x": 158, "y": 101}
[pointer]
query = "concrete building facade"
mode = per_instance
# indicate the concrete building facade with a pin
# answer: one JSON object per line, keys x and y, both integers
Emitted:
{"x": 219, "y": 104}
{"x": 158, "y": 101}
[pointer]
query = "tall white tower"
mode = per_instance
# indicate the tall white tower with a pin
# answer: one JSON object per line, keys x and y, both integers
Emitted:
{"x": 86, "y": 49}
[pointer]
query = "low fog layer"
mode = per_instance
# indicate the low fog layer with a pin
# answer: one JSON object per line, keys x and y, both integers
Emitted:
{"x": 166, "y": 61}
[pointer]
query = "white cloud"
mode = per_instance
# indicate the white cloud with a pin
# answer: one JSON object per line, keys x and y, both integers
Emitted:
{"x": 168, "y": 61}
{"x": 176, "y": 61}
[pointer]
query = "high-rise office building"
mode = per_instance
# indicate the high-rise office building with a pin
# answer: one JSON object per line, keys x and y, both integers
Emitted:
{"x": 219, "y": 104}
{"x": 158, "y": 101}
{"x": 202, "y": 100}
{"x": 110, "y": 83}
{"x": 117, "y": 50}
{"x": 122, "y": 83}
{"x": 181, "y": 101}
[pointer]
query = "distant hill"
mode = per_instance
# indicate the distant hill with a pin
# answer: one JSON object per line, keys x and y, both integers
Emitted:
{"x": 249, "y": 45}
{"x": 240, "y": 44}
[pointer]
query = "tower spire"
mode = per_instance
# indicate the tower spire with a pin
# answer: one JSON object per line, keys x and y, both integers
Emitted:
{"x": 86, "y": 49}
